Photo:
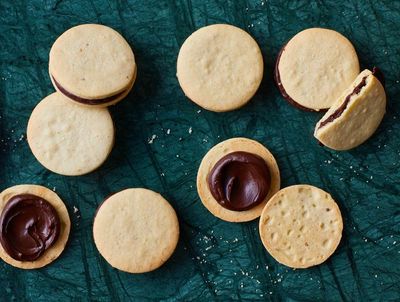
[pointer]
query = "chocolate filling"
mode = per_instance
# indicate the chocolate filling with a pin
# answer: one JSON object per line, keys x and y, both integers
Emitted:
{"x": 239, "y": 181}
{"x": 29, "y": 225}
{"x": 278, "y": 82}
{"x": 377, "y": 73}
{"x": 338, "y": 112}
{"x": 87, "y": 101}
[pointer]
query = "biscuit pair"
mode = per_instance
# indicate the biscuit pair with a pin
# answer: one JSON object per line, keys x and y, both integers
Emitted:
{"x": 317, "y": 70}
{"x": 93, "y": 65}
{"x": 70, "y": 132}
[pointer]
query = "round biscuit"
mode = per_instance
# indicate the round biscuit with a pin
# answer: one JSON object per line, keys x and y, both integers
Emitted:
{"x": 301, "y": 226}
{"x": 136, "y": 230}
{"x": 220, "y": 67}
{"x": 315, "y": 67}
{"x": 67, "y": 138}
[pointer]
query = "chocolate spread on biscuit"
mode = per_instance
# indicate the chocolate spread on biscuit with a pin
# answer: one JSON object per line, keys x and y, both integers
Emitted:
{"x": 84, "y": 100}
{"x": 29, "y": 225}
{"x": 239, "y": 181}
{"x": 338, "y": 112}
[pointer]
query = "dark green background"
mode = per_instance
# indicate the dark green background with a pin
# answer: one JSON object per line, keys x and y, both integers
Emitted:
{"x": 215, "y": 260}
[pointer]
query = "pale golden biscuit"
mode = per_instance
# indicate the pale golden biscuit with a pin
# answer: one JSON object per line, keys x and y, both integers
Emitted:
{"x": 213, "y": 156}
{"x": 301, "y": 226}
{"x": 92, "y": 62}
{"x": 314, "y": 67}
{"x": 56, "y": 249}
{"x": 67, "y": 138}
{"x": 136, "y": 230}
{"x": 220, "y": 67}
{"x": 355, "y": 116}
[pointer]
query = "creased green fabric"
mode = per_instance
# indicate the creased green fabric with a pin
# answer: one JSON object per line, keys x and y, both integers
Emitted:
{"x": 161, "y": 138}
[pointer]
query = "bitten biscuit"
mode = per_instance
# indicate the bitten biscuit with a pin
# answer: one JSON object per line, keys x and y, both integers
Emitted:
{"x": 25, "y": 220}
{"x": 314, "y": 68}
{"x": 69, "y": 139}
{"x": 301, "y": 226}
{"x": 220, "y": 67}
{"x": 136, "y": 230}
{"x": 233, "y": 182}
{"x": 355, "y": 116}
{"x": 92, "y": 64}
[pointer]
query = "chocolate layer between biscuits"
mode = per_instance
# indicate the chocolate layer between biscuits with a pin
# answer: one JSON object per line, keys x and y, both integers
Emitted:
{"x": 338, "y": 112}
{"x": 85, "y": 100}
{"x": 357, "y": 89}
{"x": 286, "y": 96}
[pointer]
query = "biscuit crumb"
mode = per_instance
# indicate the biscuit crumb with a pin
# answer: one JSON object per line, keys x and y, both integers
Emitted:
{"x": 151, "y": 140}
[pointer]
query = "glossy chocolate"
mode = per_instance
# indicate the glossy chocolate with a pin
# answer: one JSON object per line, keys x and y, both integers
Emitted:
{"x": 239, "y": 181}
{"x": 278, "y": 82}
{"x": 86, "y": 101}
{"x": 29, "y": 225}
{"x": 338, "y": 112}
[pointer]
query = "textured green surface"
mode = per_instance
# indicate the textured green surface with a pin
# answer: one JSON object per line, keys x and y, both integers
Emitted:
{"x": 215, "y": 260}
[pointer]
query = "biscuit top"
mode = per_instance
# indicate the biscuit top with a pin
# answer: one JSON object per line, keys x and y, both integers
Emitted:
{"x": 136, "y": 230}
{"x": 239, "y": 181}
{"x": 316, "y": 66}
{"x": 92, "y": 61}
{"x": 29, "y": 225}
{"x": 220, "y": 67}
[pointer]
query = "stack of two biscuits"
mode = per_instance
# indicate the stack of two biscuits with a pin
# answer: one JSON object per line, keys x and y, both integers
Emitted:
{"x": 318, "y": 70}
{"x": 71, "y": 132}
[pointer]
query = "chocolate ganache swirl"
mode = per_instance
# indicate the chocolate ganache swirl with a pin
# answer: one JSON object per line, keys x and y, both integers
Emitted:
{"x": 239, "y": 181}
{"x": 29, "y": 225}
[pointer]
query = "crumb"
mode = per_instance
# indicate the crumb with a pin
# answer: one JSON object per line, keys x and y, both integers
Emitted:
{"x": 151, "y": 140}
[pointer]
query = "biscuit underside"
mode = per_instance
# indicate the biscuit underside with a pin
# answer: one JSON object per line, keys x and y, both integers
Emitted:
{"x": 301, "y": 226}
{"x": 85, "y": 100}
{"x": 345, "y": 104}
